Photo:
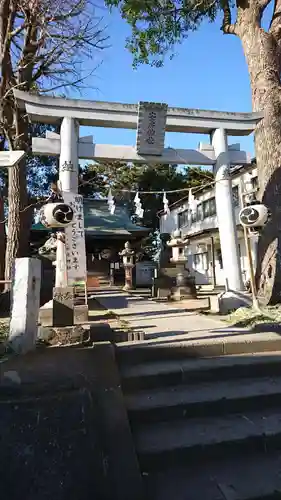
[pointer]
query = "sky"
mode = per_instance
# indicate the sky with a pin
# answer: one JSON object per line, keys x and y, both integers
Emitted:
{"x": 208, "y": 72}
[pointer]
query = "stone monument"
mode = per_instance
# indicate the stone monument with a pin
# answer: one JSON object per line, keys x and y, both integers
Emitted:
{"x": 25, "y": 304}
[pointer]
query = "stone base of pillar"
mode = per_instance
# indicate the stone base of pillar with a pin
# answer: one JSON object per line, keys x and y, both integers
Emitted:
{"x": 128, "y": 287}
{"x": 46, "y": 314}
{"x": 54, "y": 312}
{"x": 59, "y": 312}
{"x": 81, "y": 314}
{"x": 183, "y": 293}
{"x": 63, "y": 306}
{"x": 229, "y": 301}
{"x": 64, "y": 335}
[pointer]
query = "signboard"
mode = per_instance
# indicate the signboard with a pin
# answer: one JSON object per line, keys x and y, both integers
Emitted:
{"x": 76, "y": 263}
{"x": 145, "y": 273}
{"x": 151, "y": 128}
{"x": 10, "y": 158}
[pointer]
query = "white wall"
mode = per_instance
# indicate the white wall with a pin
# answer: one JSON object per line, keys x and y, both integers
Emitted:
{"x": 200, "y": 261}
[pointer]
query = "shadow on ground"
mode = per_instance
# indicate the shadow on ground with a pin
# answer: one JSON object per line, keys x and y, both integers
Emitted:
{"x": 57, "y": 418}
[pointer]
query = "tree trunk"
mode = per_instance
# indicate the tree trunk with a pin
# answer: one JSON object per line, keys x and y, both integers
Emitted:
{"x": 18, "y": 233}
{"x": 2, "y": 243}
{"x": 262, "y": 56}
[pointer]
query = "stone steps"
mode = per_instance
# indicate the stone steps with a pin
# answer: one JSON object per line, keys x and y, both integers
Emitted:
{"x": 163, "y": 373}
{"x": 204, "y": 399}
{"x": 218, "y": 343}
{"x": 249, "y": 478}
{"x": 205, "y": 428}
{"x": 207, "y": 437}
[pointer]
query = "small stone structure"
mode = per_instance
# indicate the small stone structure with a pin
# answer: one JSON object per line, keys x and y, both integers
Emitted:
{"x": 173, "y": 280}
{"x": 25, "y": 304}
{"x": 185, "y": 283}
{"x": 127, "y": 255}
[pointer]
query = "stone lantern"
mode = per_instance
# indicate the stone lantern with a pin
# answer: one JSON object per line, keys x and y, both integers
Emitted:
{"x": 185, "y": 283}
{"x": 127, "y": 255}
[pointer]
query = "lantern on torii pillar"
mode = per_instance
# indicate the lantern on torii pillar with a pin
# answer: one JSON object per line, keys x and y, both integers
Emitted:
{"x": 127, "y": 255}
{"x": 58, "y": 216}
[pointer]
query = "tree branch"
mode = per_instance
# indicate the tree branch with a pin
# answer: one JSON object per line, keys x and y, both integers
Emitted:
{"x": 227, "y": 27}
{"x": 263, "y": 4}
{"x": 275, "y": 24}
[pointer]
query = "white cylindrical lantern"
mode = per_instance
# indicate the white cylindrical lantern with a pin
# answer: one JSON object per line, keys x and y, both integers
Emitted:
{"x": 256, "y": 215}
{"x": 56, "y": 215}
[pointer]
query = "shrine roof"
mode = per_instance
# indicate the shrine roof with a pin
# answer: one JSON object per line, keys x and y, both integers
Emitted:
{"x": 99, "y": 222}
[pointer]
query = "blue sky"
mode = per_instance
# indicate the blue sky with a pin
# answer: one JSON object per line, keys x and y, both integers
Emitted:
{"x": 208, "y": 72}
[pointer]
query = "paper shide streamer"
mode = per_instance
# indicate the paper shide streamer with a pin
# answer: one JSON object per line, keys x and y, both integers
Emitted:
{"x": 138, "y": 206}
{"x": 166, "y": 205}
{"x": 139, "y": 211}
{"x": 110, "y": 202}
{"x": 192, "y": 202}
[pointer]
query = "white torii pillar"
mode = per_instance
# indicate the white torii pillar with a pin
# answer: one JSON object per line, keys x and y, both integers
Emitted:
{"x": 225, "y": 213}
{"x": 68, "y": 181}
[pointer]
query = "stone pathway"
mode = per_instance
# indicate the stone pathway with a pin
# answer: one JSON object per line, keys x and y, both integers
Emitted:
{"x": 168, "y": 324}
{"x": 157, "y": 320}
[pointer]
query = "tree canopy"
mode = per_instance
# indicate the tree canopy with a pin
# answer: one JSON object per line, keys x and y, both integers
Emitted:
{"x": 157, "y": 25}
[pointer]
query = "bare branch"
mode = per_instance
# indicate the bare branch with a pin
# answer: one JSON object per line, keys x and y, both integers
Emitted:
{"x": 275, "y": 25}
{"x": 227, "y": 27}
{"x": 263, "y": 4}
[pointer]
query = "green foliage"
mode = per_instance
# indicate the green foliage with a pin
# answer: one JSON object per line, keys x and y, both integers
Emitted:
{"x": 157, "y": 25}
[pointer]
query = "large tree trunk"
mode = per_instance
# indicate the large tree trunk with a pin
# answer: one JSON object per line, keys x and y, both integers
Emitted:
{"x": 2, "y": 242}
{"x": 17, "y": 235}
{"x": 18, "y": 213}
{"x": 262, "y": 56}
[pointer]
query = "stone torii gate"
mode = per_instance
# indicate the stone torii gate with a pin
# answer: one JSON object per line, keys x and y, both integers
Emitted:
{"x": 151, "y": 120}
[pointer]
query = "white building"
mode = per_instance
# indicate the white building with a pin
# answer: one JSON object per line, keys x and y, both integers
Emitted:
{"x": 203, "y": 252}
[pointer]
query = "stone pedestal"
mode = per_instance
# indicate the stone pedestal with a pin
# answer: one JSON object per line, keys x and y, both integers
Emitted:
{"x": 185, "y": 286}
{"x": 128, "y": 278}
{"x": 25, "y": 304}
{"x": 81, "y": 313}
{"x": 164, "y": 282}
{"x": 61, "y": 311}
{"x": 63, "y": 306}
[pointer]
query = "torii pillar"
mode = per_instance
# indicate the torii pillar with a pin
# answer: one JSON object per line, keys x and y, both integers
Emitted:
{"x": 68, "y": 182}
{"x": 225, "y": 213}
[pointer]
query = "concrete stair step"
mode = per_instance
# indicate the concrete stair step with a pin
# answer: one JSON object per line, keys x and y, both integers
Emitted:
{"x": 196, "y": 439}
{"x": 250, "y": 477}
{"x": 222, "y": 344}
{"x": 204, "y": 399}
{"x": 167, "y": 373}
